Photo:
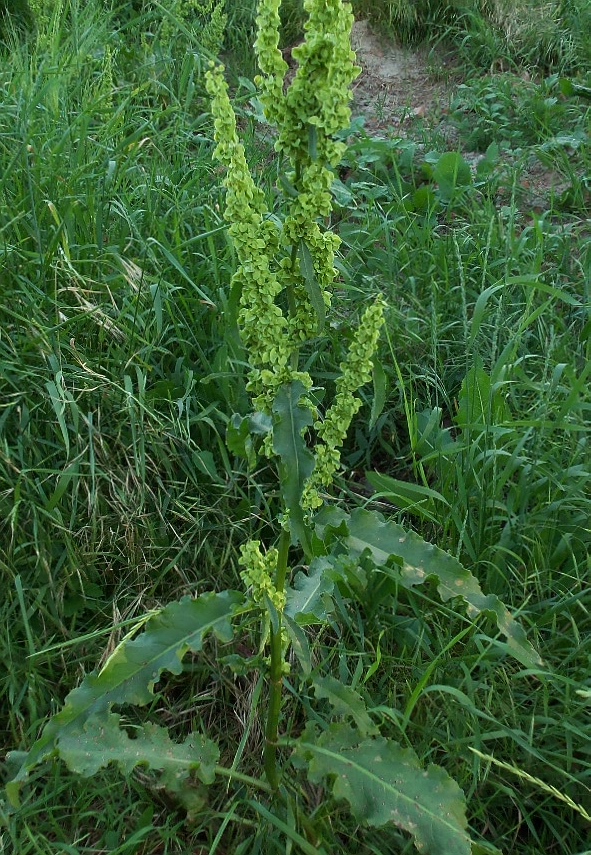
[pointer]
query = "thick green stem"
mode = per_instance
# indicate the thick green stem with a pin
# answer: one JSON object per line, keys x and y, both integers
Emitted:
{"x": 276, "y": 665}
{"x": 275, "y": 674}
{"x": 283, "y": 550}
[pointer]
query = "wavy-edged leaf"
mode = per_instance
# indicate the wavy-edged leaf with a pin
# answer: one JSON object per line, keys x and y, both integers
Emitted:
{"x": 369, "y": 532}
{"x": 291, "y": 419}
{"x": 385, "y": 783}
{"x": 330, "y": 521}
{"x": 306, "y": 600}
{"x": 345, "y": 701}
{"x": 99, "y": 740}
{"x": 129, "y": 675}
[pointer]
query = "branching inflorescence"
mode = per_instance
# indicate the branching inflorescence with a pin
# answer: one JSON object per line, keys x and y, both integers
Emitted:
{"x": 292, "y": 260}
{"x": 295, "y": 257}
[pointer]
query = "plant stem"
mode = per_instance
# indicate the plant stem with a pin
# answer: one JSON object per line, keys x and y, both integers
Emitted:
{"x": 275, "y": 675}
{"x": 283, "y": 549}
{"x": 291, "y": 299}
{"x": 239, "y": 776}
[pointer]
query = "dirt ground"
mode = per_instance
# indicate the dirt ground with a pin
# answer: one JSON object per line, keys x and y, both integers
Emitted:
{"x": 399, "y": 86}
{"x": 396, "y": 84}
{"x": 401, "y": 92}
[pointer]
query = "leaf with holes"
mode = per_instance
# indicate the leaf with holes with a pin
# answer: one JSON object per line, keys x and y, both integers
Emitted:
{"x": 384, "y": 783}
{"x": 100, "y": 740}
{"x": 370, "y": 534}
{"x": 129, "y": 675}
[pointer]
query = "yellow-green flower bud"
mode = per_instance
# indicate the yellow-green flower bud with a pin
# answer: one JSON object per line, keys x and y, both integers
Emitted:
{"x": 355, "y": 372}
{"x": 259, "y": 572}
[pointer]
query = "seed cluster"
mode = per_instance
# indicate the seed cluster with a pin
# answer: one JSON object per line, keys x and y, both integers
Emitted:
{"x": 293, "y": 257}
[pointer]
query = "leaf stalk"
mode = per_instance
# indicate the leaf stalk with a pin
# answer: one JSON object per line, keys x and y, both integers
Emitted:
{"x": 276, "y": 673}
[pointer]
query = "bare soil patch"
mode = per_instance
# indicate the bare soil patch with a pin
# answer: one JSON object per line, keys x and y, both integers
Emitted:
{"x": 401, "y": 89}
{"x": 396, "y": 84}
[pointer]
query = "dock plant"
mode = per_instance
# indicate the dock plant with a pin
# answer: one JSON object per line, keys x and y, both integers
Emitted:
{"x": 296, "y": 584}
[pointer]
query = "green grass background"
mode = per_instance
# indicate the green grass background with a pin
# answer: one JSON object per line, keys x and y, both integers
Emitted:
{"x": 118, "y": 378}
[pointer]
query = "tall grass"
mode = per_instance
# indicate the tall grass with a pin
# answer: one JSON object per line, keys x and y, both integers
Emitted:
{"x": 114, "y": 261}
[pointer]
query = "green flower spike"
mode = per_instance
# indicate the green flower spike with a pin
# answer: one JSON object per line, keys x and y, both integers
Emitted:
{"x": 264, "y": 328}
{"x": 308, "y": 115}
{"x": 355, "y": 373}
{"x": 259, "y": 573}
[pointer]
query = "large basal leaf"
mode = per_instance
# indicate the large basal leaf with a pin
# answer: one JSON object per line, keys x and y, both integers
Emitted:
{"x": 369, "y": 532}
{"x": 129, "y": 675}
{"x": 306, "y": 600}
{"x": 291, "y": 419}
{"x": 89, "y": 746}
{"x": 385, "y": 783}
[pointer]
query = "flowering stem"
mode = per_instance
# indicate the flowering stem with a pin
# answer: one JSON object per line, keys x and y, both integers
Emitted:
{"x": 283, "y": 550}
{"x": 275, "y": 674}
{"x": 290, "y": 259}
